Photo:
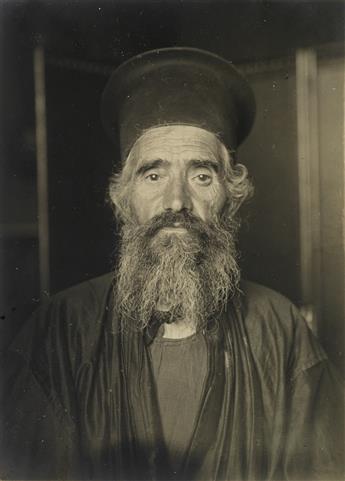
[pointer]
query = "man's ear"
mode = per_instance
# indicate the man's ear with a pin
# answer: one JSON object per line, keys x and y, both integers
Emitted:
{"x": 230, "y": 208}
{"x": 226, "y": 209}
{"x": 111, "y": 198}
{"x": 118, "y": 198}
{"x": 111, "y": 192}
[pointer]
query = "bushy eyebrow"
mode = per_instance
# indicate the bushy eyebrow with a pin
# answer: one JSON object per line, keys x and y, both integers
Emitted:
{"x": 148, "y": 165}
{"x": 205, "y": 163}
{"x": 154, "y": 164}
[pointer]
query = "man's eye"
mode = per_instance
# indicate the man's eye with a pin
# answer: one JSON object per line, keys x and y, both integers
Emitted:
{"x": 203, "y": 179}
{"x": 152, "y": 177}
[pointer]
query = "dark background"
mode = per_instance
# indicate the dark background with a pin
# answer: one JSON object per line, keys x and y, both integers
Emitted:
{"x": 83, "y": 41}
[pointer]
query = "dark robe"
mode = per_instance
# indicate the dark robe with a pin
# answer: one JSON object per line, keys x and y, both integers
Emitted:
{"x": 79, "y": 401}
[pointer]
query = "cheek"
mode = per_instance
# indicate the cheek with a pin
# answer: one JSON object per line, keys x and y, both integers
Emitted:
{"x": 143, "y": 204}
{"x": 219, "y": 195}
{"x": 212, "y": 202}
{"x": 135, "y": 204}
{"x": 138, "y": 207}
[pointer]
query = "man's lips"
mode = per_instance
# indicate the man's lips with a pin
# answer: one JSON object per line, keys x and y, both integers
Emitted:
{"x": 174, "y": 224}
{"x": 176, "y": 227}
{"x": 174, "y": 230}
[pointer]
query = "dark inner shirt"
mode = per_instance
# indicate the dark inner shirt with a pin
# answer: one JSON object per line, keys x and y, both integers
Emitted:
{"x": 180, "y": 367}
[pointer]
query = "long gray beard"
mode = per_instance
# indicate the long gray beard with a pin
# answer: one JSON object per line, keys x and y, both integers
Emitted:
{"x": 191, "y": 274}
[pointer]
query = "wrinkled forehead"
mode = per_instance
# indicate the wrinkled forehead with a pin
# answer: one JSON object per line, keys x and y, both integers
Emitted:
{"x": 176, "y": 142}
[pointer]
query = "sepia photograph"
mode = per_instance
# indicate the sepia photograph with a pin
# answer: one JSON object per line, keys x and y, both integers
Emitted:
{"x": 172, "y": 240}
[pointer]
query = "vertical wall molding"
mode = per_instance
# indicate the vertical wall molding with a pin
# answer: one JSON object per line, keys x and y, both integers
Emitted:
{"x": 309, "y": 183}
{"x": 42, "y": 168}
{"x": 343, "y": 212}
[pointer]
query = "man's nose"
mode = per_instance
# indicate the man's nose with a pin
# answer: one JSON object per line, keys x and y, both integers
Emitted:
{"x": 176, "y": 196}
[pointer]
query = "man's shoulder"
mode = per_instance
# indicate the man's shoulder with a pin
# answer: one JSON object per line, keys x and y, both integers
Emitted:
{"x": 259, "y": 298}
{"x": 273, "y": 321}
{"x": 71, "y": 320}
{"x": 96, "y": 286}
{"x": 269, "y": 314}
{"x": 87, "y": 294}
{"x": 81, "y": 304}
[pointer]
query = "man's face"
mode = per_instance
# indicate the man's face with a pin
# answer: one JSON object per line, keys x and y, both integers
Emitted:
{"x": 177, "y": 168}
{"x": 178, "y": 254}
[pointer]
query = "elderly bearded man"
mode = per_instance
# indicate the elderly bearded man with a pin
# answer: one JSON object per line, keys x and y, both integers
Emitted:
{"x": 173, "y": 367}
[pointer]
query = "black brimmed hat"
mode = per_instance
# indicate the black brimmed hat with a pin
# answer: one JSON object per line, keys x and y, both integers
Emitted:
{"x": 177, "y": 85}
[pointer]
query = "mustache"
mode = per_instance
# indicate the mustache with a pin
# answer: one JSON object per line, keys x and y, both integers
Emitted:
{"x": 183, "y": 218}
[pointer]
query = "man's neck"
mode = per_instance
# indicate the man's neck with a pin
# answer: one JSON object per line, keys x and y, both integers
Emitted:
{"x": 178, "y": 330}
